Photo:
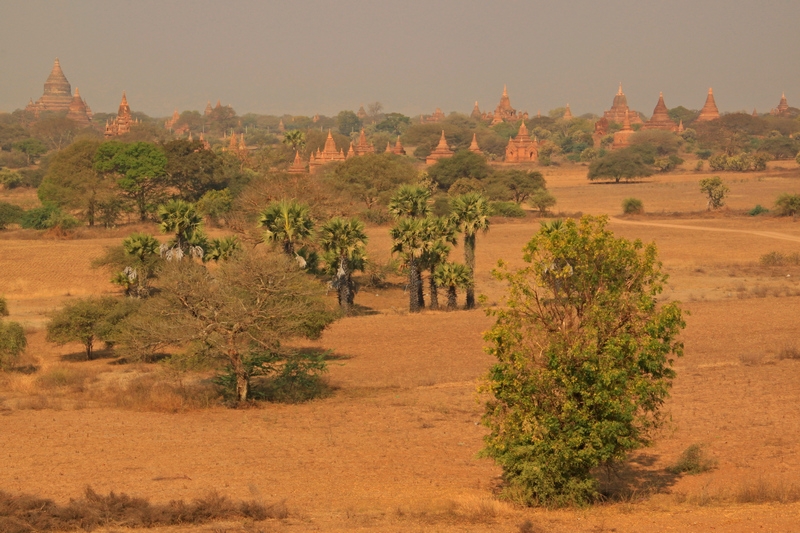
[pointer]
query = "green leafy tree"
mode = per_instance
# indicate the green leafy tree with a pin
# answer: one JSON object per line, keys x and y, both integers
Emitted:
{"x": 515, "y": 185}
{"x": 394, "y": 123}
{"x": 470, "y": 214}
{"x": 453, "y": 276}
{"x": 88, "y": 321}
{"x": 584, "y": 361}
{"x": 215, "y": 204}
{"x": 9, "y": 214}
{"x": 12, "y": 338}
{"x": 193, "y": 170}
{"x": 788, "y": 204}
{"x": 408, "y": 241}
{"x": 237, "y": 316}
{"x": 715, "y": 190}
{"x": 140, "y": 168}
{"x": 347, "y": 122}
{"x": 32, "y": 148}
{"x": 286, "y": 222}
{"x": 371, "y": 178}
{"x": 343, "y": 242}
{"x": 71, "y": 181}
{"x": 621, "y": 164}
{"x": 223, "y": 249}
{"x": 463, "y": 164}
{"x": 542, "y": 200}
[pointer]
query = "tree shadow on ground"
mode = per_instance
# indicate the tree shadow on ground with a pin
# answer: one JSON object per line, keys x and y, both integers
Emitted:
{"x": 635, "y": 478}
{"x": 78, "y": 357}
{"x": 327, "y": 355}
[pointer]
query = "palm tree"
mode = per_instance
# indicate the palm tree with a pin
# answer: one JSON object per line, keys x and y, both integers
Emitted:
{"x": 410, "y": 201}
{"x": 182, "y": 220}
{"x": 454, "y": 276}
{"x": 408, "y": 241}
{"x": 294, "y": 138}
{"x": 141, "y": 254}
{"x": 439, "y": 233}
{"x": 223, "y": 248}
{"x": 470, "y": 214}
{"x": 286, "y": 222}
{"x": 343, "y": 242}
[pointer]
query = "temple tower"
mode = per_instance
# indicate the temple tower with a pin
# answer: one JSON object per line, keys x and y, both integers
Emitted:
{"x": 709, "y": 111}
{"x": 660, "y": 119}
{"x": 442, "y": 151}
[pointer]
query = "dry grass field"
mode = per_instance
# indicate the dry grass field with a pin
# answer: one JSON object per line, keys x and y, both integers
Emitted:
{"x": 394, "y": 448}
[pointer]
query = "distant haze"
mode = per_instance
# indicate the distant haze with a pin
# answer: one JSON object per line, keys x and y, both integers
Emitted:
{"x": 317, "y": 56}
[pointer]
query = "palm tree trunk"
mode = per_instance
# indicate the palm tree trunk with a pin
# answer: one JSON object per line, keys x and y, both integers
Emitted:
{"x": 420, "y": 288}
{"x": 413, "y": 287}
{"x": 288, "y": 248}
{"x": 469, "y": 258}
{"x": 433, "y": 290}
{"x": 343, "y": 280}
{"x": 452, "y": 300}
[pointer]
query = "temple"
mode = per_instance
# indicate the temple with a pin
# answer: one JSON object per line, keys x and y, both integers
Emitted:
{"x": 504, "y": 112}
{"x": 567, "y": 114}
{"x": 473, "y": 146}
{"x": 363, "y": 147}
{"x": 618, "y": 109}
{"x": 781, "y": 110}
{"x": 709, "y": 111}
{"x": 361, "y": 113}
{"x": 521, "y": 149}
{"x": 208, "y": 110}
{"x": 622, "y": 138}
{"x": 437, "y": 116}
{"x": 476, "y": 112}
{"x": 57, "y": 94}
{"x": 123, "y": 121}
{"x": 172, "y": 121}
{"x": 328, "y": 154}
{"x": 442, "y": 151}
{"x": 660, "y": 119}
{"x": 79, "y": 112}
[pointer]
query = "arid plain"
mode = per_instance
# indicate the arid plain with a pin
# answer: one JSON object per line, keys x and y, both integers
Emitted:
{"x": 395, "y": 446}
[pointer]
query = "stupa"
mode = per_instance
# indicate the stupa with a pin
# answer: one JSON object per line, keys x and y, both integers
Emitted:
{"x": 660, "y": 119}
{"x": 504, "y": 112}
{"x": 473, "y": 146}
{"x": 567, "y": 114}
{"x": 298, "y": 167}
{"x": 208, "y": 110}
{"x": 476, "y": 112}
{"x": 57, "y": 94}
{"x": 618, "y": 109}
{"x": 172, "y": 121}
{"x": 328, "y": 154}
{"x": 709, "y": 111}
{"x": 123, "y": 121}
{"x": 437, "y": 116}
{"x": 78, "y": 111}
{"x": 755, "y": 113}
{"x": 521, "y": 149}
{"x": 442, "y": 151}
{"x": 398, "y": 148}
{"x": 622, "y": 138}
{"x": 363, "y": 147}
{"x": 361, "y": 113}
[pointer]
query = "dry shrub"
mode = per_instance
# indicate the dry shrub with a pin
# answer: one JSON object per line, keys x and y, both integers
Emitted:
{"x": 751, "y": 359}
{"x": 65, "y": 377}
{"x": 152, "y": 392}
{"x": 763, "y": 491}
{"x": 39, "y": 402}
{"x": 465, "y": 511}
{"x": 693, "y": 460}
{"x": 779, "y": 259}
{"x": 789, "y": 352}
{"x": 28, "y": 513}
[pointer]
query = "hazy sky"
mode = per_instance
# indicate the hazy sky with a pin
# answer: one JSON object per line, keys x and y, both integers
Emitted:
{"x": 319, "y": 56}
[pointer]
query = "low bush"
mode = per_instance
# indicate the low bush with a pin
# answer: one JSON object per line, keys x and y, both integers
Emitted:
{"x": 506, "y": 209}
{"x": 788, "y": 205}
{"x": 757, "y": 210}
{"x": 377, "y": 216}
{"x": 48, "y": 217}
{"x": 789, "y": 352}
{"x": 778, "y": 259}
{"x": 693, "y": 461}
{"x": 9, "y": 214}
{"x": 632, "y": 206}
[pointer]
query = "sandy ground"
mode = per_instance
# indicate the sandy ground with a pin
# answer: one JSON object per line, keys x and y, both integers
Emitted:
{"x": 395, "y": 448}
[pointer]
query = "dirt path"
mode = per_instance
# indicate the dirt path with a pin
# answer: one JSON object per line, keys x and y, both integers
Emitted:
{"x": 768, "y": 234}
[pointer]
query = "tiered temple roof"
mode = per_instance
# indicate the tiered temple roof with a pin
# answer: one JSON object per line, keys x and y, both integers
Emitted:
{"x": 298, "y": 167}
{"x": 660, "y": 119}
{"x": 328, "y": 154}
{"x": 123, "y": 121}
{"x": 709, "y": 111}
{"x": 361, "y": 113}
{"x": 567, "y": 114}
{"x": 504, "y": 112}
{"x": 476, "y": 112}
{"x": 398, "y": 148}
{"x": 57, "y": 94}
{"x": 783, "y": 107}
{"x": 437, "y": 116}
{"x": 174, "y": 119}
{"x": 208, "y": 110}
{"x": 473, "y": 146}
{"x": 622, "y": 138}
{"x": 363, "y": 147}
{"x": 79, "y": 112}
{"x": 521, "y": 149}
{"x": 442, "y": 151}
{"x": 618, "y": 109}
